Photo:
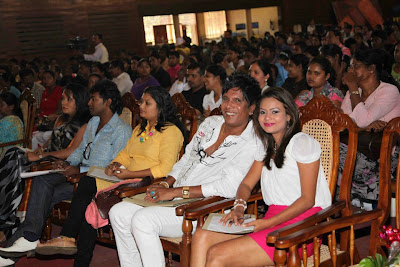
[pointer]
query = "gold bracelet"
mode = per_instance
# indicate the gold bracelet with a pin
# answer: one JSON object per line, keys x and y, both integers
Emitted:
{"x": 165, "y": 184}
{"x": 185, "y": 191}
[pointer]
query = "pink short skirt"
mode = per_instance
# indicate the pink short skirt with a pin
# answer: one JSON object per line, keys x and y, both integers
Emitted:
{"x": 261, "y": 236}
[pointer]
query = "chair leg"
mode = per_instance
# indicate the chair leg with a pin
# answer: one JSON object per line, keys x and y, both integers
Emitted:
{"x": 169, "y": 262}
{"x": 47, "y": 230}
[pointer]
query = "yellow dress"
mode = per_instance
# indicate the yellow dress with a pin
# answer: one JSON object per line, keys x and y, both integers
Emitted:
{"x": 158, "y": 152}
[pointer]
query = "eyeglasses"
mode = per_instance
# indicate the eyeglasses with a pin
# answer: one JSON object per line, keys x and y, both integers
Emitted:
{"x": 87, "y": 151}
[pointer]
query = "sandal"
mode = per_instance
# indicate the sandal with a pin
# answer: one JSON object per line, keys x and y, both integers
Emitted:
{"x": 60, "y": 245}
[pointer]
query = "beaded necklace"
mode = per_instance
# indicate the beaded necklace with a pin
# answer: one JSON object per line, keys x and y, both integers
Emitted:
{"x": 146, "y": 134}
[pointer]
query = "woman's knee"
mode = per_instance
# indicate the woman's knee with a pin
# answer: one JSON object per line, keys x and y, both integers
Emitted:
{"x": 216, "y": 255}
{"x": 200, "y": 236}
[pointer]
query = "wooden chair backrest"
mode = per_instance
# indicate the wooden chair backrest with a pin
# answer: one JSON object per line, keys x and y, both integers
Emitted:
{"x": 130, "y": 113}
{"x": 216, "y": 111}
{"x": 187, "y": 113}
{"x": 323, "y": 121}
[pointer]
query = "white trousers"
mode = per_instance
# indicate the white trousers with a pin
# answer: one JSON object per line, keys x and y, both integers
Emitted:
{"x": 137, "y": 231}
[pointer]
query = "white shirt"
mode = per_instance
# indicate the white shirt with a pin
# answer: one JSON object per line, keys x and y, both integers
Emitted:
{"x": 100, "y": 54}
{"x": 221, "y": 173}
{"x": 282, "y": 186}
{"x": 123, "y": 82}
{"x": 240, "y": 63}
{"x": 179, "y": 87}
{"x": 208, "y": 101}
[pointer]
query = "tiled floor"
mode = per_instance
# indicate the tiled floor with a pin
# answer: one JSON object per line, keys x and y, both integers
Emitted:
{"x": 107, "y": 257}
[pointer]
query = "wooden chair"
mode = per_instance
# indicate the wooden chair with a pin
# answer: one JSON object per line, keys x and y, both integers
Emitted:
{"x": 187, "y": 113}
{"x": 130, "y": 113}
{"x": 216, "y": 111}
{"x": 329, "y": 255}
{"x": 322, "y": 120}
{"x": 28, "y": 108}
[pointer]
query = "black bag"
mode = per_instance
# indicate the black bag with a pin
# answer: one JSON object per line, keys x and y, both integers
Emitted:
{"x": 369, "y": 143}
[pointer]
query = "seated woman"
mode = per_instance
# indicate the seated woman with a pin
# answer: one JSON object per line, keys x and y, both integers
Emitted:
{"x": 152, "y": 151}
{"x": 260, "y": 70}
{"x": 214, "y": 78}
{"x": 334, "y": 54}
{"x": 318, "y": 75}
{"x": 145, "y": 79}
{"x": 293, "y": 185}
{"x": 296, "y": 82}
{"x": 65, "y": 138}
{"x": 50, "y": 107}
{"x": 371, "y": 103}
{"x": 11, "y": 125}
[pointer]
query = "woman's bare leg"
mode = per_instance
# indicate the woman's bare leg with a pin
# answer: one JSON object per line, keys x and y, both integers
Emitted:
{"x": 202, "y": 241}
{"x": 243, "y": 251}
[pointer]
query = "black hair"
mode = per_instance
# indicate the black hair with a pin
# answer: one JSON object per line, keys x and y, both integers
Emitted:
{"x": 293, "y": 125}
{"x": 265, "y": 67}
{"x": 109, "y": 90}
{"x": 50, "y": 72}
{"x": 268, "y": 45}
{"x": 81, "y": 96}
{"x": 155, "y": 54}
{"x": 193, "y": 66}
{"x": 197, "y": 56}
{"x": 99, "y": 35}
{"x": 332, "y": 50}
{"x": 285, "y": 54}
{"x": 234, "y": 49}
{"x": 95, "y": 75}
{"x": 174, "y": 53}
{"x": 25, "y": 72}
{"x": 7, "y": 77}
{"x": 312, "y": 50}
{"x": 78, "y": 79}
{"x": 376, "y": 57}
{"x": 218, "y": 58}
{"x": 326, "y": 66}
{"x": 349, "y": 42}
{"x": 86, "y": 63}
{"x": 302, "y": 60}
{"x": 137, "y": 58}
{"x": 252, "y": 50}
{"x": 144, "y": 60}
{"x": 10, "y": 99}
{"x": 117, "y": 64}
{"x": 246, "y": 84}
{"x": 379, "y": 33}
{"x": 167, "y": 110}
{"x": 217, "y": 70}
{"x": 302, "y": 45}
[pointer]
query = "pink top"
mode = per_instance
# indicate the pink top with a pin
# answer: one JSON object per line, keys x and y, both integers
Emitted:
{"x": 383, "y": 104}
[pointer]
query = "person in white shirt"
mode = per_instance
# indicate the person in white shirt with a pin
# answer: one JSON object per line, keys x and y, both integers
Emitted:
{"x": 214, "y": 163}
{"x": 100, "y": 51}
{"x": 214, "y": 79}
{"x": 293, "y": 186}
{"x": 120, "y": 78}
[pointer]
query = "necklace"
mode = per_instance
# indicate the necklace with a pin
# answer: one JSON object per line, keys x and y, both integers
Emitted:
{"x": 275, "y": 149}
{"x": 146, "y": 134}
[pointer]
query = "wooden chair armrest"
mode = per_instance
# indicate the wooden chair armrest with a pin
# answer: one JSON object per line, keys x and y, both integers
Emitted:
{"x": 13, "y": 143}
{"x": 179, "y": 211}
{"x": 326, "y": 227}
{"x": 42, "y": 166}
{"x": 308, "y": 222}
{"x": 128, "y": 192}
{"x": 73, "y": 179}
{"x": 208, "y": 208}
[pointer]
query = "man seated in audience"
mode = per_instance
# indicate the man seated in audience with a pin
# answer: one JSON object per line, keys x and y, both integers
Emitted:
{"x": 267, "y": 50}
{"x": 174, "y": 67}
{"x": 250, "y": 54}
{"x": 100, "y": 54}
{"x": 120, "y": 78}
{"x": 85, "y": 68}
{"x": 197, "y": 90}
{"x": 28, "y": 82}
{"x": 105, "y": 135}
{"x": 215, "y": 162}
{"x": 158, "y": 72}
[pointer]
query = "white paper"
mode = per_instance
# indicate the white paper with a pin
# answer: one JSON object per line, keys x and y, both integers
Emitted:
{"x": 99, "y": 173}
{"x": 212, "y": 224}
{"x": 37, "y": 173}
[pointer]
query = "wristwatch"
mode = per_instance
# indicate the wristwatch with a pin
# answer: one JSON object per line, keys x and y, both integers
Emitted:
{"x": 40, "y": 156}
{"x": 355, "y": 92}
{"x": 185, "y": 192}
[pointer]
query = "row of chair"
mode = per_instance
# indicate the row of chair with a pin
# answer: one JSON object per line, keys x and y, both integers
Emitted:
{"x": 324, "y": 122}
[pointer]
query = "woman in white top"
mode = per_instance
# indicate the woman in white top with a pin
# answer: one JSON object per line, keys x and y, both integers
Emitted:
{"x": 261, "y": 71}
{"x": 214, "y": 79}
{"x": 292, "y": 181}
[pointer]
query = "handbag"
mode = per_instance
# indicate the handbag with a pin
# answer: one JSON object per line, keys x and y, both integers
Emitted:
{"x": 369, "y": 143}
{"x": 97, "y": 211}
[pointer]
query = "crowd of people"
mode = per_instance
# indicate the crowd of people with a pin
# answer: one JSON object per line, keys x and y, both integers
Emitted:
{"x": 257, "y": 85}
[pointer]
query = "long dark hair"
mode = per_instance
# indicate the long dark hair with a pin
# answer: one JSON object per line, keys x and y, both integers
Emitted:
{"x": 293, "y": 126}
{"x": 81, "y": 96}
{"x": 167, "y": 110}
{"x": 10, "y": 99}
{"x": 326, "y": 66}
